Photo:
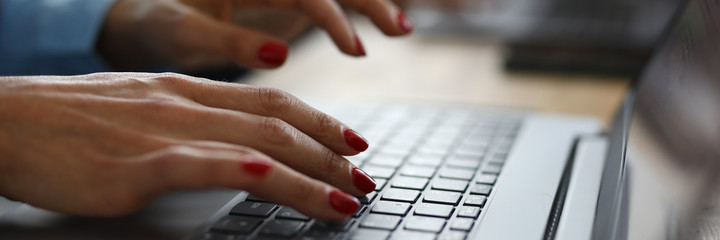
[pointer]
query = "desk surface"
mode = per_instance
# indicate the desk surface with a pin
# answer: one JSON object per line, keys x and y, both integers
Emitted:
{"x": 426, "y": 68}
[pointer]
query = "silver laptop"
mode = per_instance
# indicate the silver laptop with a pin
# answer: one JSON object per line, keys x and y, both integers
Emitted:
{"x": 447, "y": 172}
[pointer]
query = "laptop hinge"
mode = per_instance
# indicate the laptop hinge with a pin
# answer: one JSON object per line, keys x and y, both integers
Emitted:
{"x": 576, "y": 197}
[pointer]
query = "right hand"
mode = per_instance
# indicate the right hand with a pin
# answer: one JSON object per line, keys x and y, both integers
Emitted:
{"x": 106, "y": 144}
{"x": 141, "y": 33}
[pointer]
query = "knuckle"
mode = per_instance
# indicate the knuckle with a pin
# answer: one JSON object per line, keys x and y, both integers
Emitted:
{"x": 304, "y": 190}
{"x": 173, "y": 80}
{"x": 166, "y": 105}
{"x": 277, "y": 131}
{"x": 323, "y": 122}
{"x": 274, "y": 100}
{"x": 331, "y": 162}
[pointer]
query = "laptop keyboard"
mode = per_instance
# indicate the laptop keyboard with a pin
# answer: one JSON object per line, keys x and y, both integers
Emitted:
{"x": 435, "y": 170}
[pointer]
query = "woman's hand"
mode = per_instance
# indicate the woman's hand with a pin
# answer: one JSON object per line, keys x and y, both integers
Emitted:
{"x": 106, "y": 144}
{"x": 139, "y": 33}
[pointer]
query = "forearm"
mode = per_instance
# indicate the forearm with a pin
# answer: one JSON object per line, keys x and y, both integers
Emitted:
{"x": 50, "y": 37}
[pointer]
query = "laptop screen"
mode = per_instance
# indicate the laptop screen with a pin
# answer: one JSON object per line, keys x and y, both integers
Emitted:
{"x": 655, "y": 186}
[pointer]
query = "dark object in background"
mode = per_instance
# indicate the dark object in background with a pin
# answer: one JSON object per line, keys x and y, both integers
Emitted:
{"x": 575, "y": 36}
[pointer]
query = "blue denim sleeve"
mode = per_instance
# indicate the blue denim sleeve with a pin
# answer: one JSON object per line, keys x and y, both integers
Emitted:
{"x": 57, "y": 37}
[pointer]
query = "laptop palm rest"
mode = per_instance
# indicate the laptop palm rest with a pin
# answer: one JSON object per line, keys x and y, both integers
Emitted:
{"x": 173, "y": 216}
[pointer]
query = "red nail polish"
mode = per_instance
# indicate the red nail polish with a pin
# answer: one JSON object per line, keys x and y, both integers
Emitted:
{"x": 343, "y": 202}
{"x": 405, "y": 23}
{"x": 355, "y": 141}
{"x": 273, "y": 53}
{"x": 257, "y": 168}
{"x": 359, "y": 47}
{"x": 363, "y": 181}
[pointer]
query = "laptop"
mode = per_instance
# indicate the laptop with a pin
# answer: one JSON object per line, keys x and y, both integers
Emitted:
{"x": 447, "y": 172}
{"x": 576, "y": 36}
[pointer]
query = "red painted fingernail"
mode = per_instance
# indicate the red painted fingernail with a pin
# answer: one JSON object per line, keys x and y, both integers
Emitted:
{"x": 405, "y": 23}
{"x": 363, "y": 181}
{"x": 359, "y": 47}
{"x": 257, "y": 168}
{"x": 355, "y": 141}
{"x": 343, "y": 202}
{"x": 273, "y": 53}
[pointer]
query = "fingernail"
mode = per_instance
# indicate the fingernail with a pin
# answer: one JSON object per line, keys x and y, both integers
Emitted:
{"x": 273, "y": 53}
{"x": 343, "y": 202}
{"x": 405, "y": 23}
{"x": 257, "y": 168}
{"x": 362, "y": 180}
{"x": 359, "y": 46}
{"x": 355, "y": 141}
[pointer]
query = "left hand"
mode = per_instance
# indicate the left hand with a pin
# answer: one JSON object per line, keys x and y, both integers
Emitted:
{"x": 140, "y": 33}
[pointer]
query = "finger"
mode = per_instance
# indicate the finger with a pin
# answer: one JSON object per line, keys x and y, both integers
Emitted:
{"x": 327, "y": 15}
{"x": 384, "y": 14}
{"x": 276, "y": 103}
{"x": 195, "y": 166}
{"x": 274, "y": 137}
{"x": 200, "y": 33}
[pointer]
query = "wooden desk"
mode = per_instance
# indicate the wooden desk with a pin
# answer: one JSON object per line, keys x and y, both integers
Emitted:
{"x": 424, "y": 68}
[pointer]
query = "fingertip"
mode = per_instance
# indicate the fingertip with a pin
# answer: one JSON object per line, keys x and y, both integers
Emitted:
{"x": 355, "y": 140}
{"x": 256, "y": 168}
{"x": 343, "y": 203}
{"x": 405, "y": 23}
{"x": 359, "y": 48}
{"x": 273, "y": 54}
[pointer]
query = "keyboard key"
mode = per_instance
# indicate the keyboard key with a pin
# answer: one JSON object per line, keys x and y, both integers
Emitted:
{"x": 470, "y": 152}
{"x": 462, "y": 224}
{"x": 334, "y": 225}
{"x": 409, "y": 183}
{"x": 462, "y": 163}
{"x": 402, "y": 195}
{"x": 425, "y": 224}
{"x": 449, "y": 185}
{"x": 452, "y": 235}
{"x": 370, "y": 234}
{"x": 492, "y": 169}
{"x": 254, "y": 198}
{"x": 412, "y": 235}
{"x": 486, "y": 179}
{"x": 397, "y": 150}
{"x": 216, "y": 236}
{"x": 380, "y": 221}
{"x": 379, "y": 172}
{"x": 392, "y": 208}
{"x": 475, "y": 200}
{"x": 471, "y": 212}
{"x": 360, "y": 210}
{"x": 434, "y": 210}
{"x": 368, "y": 198}
{"x": 320, "y": 234}
{"x": 454, "y": 173}
{"x": 379, "y": 184}
{"x": 289, "y": 213}
{"x": 282, "y": 228}
{"x": 236, "y": 224}
{"x": 481, "y": 189}
{"x": 417, "y": 171}
{"x": 256, "y": 209}
{"x": 444, "y": 197}
{"x": 436, "y": 149}
{"x": 384, "y": 160}
{"x": 427, "y": 160}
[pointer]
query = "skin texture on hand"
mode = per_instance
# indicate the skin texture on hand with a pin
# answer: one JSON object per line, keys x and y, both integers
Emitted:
{"x": 189, "y": 33}
{"x": 106, "y": 144}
